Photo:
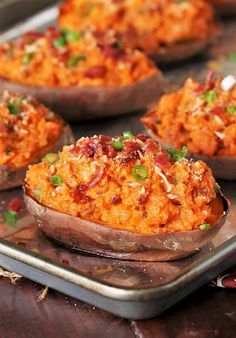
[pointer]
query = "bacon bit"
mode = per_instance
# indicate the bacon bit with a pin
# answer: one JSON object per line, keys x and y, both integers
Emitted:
{"x": 28, "y": 38}
{"x": 52, "y": 33}
{"x": 131, "y": 147}
{"x": 209, "y": 83}
{"x": 218, "y": 110}
{"x": 75, "y": 150}
{"x": 116, "y": 199}
{"x": 150, "y": 146}
{"x": 96, "y": 71}
{"x": 162, "y": 162}
{"x": 15, "y": 204}
{"x": 200, "y": 88}
{"x": 87, "y": 150}
{"x": 142, "y": 137}
{"x": 111, "y": 153}
{"x": 2, "y": 128}
{"x": 79, "y": 192}
{"x": 105, "y": 138}
{"x": 143, "y": 198}
{"x": 96, "y": 178}
{"x": 113, "y": 53}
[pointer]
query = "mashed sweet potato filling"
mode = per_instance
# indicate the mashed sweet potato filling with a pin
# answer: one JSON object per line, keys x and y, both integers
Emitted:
{"x": 201, "y": 116}
{"x": 147, "y": 24}
{"x": 68, "y": 58}
{"x": 27, "y": 129}
{"x": 130, "y": 184}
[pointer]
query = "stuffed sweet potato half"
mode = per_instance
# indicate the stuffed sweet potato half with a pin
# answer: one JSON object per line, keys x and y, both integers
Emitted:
{"x": 167, "y": 30}
{"x": 28, "y": 130}
{"x": 125, "y": 197}
{"x": 201, "y": 116}
{"x": 78, "y": 75}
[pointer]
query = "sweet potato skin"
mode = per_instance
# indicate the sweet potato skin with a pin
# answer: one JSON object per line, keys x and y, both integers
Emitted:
{"x": 91, "y": 237}
{"x": 11, "y": 179}
{"x": 180, "y": 52}
{"x": 82, "y": 103}
{"x": 223, "y": 167}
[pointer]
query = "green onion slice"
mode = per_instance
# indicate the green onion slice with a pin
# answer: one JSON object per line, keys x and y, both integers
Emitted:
{"x": 177, "y": 154}
{"x": 210, "y": 96}
{"x": 13, "y": 108}
{"x": 51, "y": 158}
{"x": 56, "y": 180}
{"x": 139, "y": 172}
{"x": 27, "y": 58}
{"x": 10, "y": 217}
{"x": 60, "y": 42}
{"x": 231, "y": 110}
{"x": 118, "y": 145}
{"x": 204, "y": 226}
{"x": 127, "y": 135}
{"x": 73, "y": 61}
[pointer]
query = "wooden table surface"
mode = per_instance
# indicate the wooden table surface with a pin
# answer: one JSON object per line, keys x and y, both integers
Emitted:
{"x": 209, "y": 312}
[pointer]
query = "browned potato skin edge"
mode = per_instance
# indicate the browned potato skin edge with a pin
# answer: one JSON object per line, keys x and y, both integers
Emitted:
{"x": 95, "y": 238}
{"x": 83, "y": 103}
{"x": 10, "y": 179}
{"x": 180, "y": 52}
{"x": 222, "y": 167}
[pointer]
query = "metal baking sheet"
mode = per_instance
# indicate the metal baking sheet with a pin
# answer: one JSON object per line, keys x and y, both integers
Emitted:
{"x": 135, "y": 290}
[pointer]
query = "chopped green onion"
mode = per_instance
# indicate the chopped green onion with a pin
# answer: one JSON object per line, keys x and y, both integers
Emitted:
{"x": 128, "y": 135}
{"x": 179, "y": 1}
{"x": 56, "y": 180}
{"x": 73, "y": 61}
{"x": 10, "y": 217}
{"x": 204, "y": 226}
{"x": 177, "y": 154}
{"x": 26, "y": 58}
{"x": 231, "y": 110}
{"x": 72, "y": 36}
{"x": 139, "y": 172}
{"x": 232, "y": 57}
{"x": 118, "y": 145}
{"x": 13, "y": 108}
{"x": 60, "y": 42}
{"x": 51, "y": 158}
{"x": 210, "y": 96}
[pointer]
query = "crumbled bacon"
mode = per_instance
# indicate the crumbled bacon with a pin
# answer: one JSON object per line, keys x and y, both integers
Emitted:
{"x": 53, "y": 33}
{"x": 116, "y": 199}
{"x": 218, "y": 110}
{"x": 111, "y": 153}
{"x": 150, "y": 146}
{"x": 162, "y": 161}
{"x": 142, "y": 137}
{"x": 209, "y": 83}
{"x": 15, "y": 204}
{"x": 79, "y": 193}
{"x": 96, "y": 71}
{"x": 27, "y": 38}
{"x": 113, "y": 53}
{"x": 2, "y": 128}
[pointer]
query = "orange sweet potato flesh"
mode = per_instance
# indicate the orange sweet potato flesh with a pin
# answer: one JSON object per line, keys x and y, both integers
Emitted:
{"x": 28, "y": 130}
